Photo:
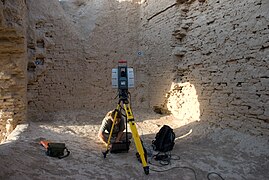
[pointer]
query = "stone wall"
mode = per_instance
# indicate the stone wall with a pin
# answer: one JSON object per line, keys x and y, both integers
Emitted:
{"x": 13, "y": 76}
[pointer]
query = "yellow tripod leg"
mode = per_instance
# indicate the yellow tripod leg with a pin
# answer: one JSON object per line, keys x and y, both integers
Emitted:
{"x": 110, "y": 134}
{"x": 136, "y": 137}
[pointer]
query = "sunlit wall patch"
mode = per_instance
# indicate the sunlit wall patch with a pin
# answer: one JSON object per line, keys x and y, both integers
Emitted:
{"x": 182, "y": 102}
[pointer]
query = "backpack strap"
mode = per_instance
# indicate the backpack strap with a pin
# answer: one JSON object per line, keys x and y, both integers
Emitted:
{"x": 67, "y": 154}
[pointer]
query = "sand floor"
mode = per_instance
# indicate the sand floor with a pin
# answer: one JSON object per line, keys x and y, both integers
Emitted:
{"x": 199, "y": 145}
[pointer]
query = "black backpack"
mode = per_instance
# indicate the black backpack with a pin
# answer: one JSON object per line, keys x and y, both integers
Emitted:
{"x": 164, "y": 140}
{"x": 57, "y": 150}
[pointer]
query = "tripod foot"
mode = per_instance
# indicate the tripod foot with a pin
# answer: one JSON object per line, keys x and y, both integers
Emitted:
{"x": 146, "y": 170}
{"x": 105, "y": 153}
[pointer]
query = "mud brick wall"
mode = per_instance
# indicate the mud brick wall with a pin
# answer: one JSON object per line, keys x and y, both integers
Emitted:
{"x": 197, "y": 59}
{"x": 158, "y": 21}
{"x": 224, "y": 53}
{"x": 58, "y": 78}
{"x": 73, "y": 46}
{"x": 13, "y": 75}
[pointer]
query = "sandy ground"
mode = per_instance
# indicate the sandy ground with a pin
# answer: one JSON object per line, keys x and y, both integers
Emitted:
{"x": 200, "y": 146}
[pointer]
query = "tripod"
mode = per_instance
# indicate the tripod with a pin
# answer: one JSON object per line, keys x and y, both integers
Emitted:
{"x": 123, "y": 99}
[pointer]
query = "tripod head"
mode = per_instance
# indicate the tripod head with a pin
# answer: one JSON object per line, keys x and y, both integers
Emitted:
{"x": 123, "y": 94}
